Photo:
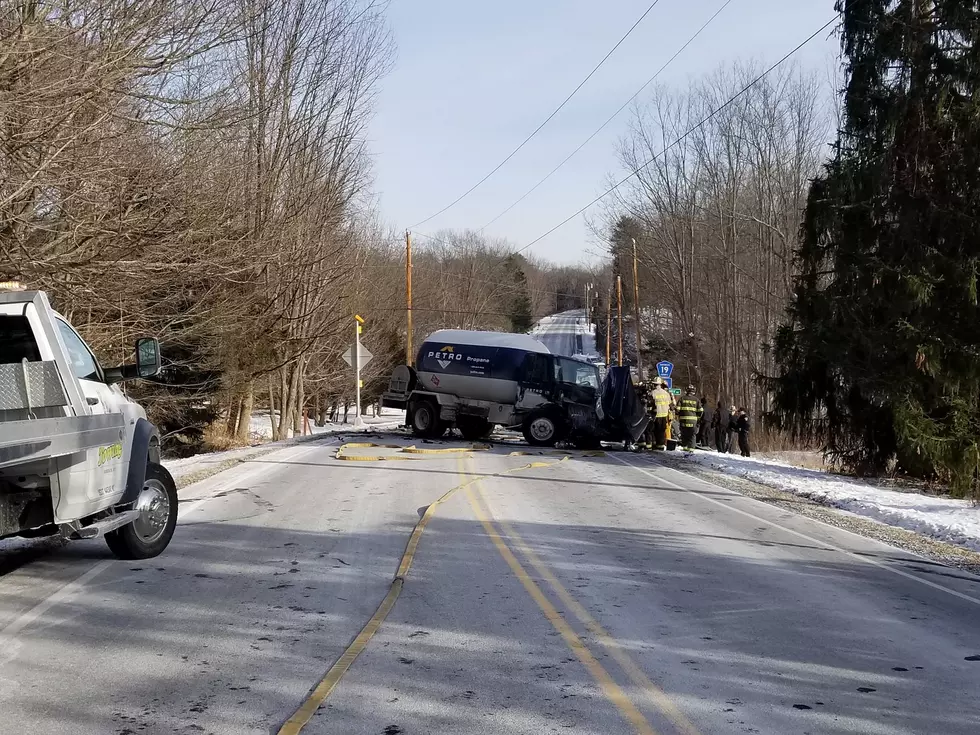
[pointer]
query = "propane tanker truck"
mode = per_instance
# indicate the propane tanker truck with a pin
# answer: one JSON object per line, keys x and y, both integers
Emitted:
{"x": 474, "y": 381}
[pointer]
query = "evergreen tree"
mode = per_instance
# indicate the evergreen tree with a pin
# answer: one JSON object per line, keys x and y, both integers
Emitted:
{"x": 881, "y": 355}
{"x": 520, "y": 313}
{"x": 625, "y": 230}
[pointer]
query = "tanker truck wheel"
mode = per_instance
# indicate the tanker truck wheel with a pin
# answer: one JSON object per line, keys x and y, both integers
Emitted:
{"x": 543, "y": 428}
{"x": 425, "y": 421}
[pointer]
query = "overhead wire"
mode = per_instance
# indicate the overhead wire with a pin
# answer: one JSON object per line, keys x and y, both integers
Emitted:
{"x": 682, "y": 138}
{"x": 612, "y": 117}
{"x": 548, "y": 119}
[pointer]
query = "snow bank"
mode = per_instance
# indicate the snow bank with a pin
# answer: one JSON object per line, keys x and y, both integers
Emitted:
{"x": 260, "y": 427}
{"x": 210, "y": 462}
{"x": 945, "y": 519}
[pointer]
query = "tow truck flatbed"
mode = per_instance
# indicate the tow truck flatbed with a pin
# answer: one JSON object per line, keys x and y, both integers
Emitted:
{"x": 39, "y": 439}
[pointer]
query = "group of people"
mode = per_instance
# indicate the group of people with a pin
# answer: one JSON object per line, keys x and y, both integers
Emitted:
{"x": 690, "y": 413}
{"x": 729, "y": 426}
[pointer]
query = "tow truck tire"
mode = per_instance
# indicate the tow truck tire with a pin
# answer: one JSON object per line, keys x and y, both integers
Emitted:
{"x": 473, "y": 429}
{"x": 543, "y": 428}
{"x": 425, "y": 420}
{"x": 149, "y": 534}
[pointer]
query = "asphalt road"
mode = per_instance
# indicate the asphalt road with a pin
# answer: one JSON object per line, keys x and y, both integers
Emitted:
{"x": 565, "y": 334}
{"x": 593, "y": 594}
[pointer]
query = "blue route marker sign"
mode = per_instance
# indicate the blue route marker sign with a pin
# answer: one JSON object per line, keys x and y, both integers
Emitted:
{"x": 664, "y": 369}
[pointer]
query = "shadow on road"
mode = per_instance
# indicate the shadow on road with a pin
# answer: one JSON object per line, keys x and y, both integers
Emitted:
{"x": 227, "y": 632}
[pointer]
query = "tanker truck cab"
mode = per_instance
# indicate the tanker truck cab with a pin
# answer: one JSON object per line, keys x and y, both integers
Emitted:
{"x": 563, "y": 394}
{"x": 474, "y": 381}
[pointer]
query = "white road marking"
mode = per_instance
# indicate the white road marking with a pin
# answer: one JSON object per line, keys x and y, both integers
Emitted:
{"x": 798, "y": 534}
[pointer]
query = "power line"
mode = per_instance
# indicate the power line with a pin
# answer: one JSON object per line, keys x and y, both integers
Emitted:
{"x": 546, "y": 120}
{"x": 598, "y": 130}
{"x": 682, "y": 138}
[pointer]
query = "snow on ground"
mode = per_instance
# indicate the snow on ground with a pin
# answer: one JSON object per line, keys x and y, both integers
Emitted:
{"x": 208, "y": 463}
{"x": 567, "y": 333}
{"x": 945, "y": 519}
{"x": 260, "y": 426}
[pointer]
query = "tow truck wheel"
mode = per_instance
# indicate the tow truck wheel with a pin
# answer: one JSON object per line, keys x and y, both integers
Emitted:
{"x": 542, "y": 429}
{"x": 425, "y": 421}
{"x": 149, "y": 534}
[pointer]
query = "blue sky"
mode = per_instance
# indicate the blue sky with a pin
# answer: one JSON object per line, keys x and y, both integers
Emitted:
{"x": 472, "y": 80}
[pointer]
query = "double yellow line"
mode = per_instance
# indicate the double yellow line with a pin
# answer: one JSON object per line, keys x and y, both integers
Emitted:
{"x": 325, "y": 687}
{"x": 470, "y": 483}
{"x": 652, "y": 694}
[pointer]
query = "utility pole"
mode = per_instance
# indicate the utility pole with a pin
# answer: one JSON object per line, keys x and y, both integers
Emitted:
{"x": 608, "y": 328}
{"x": 619, "y": 315}
{"x": 636, "y": 316}
{"x": 356, "y": 358}
{"x": 408, "y": 298}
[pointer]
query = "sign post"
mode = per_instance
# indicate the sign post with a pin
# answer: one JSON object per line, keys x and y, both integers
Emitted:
{"x": 356, "y": 355}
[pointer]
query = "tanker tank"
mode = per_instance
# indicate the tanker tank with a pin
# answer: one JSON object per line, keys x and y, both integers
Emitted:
{"x": 483, "y": 366}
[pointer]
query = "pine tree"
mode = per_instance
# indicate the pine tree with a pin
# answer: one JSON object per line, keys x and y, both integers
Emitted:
{"x": 881, "y": 355}
{"x": 521, "y": 312}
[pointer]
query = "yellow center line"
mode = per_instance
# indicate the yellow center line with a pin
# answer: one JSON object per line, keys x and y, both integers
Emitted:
{"x": 657, "y": 696}
{"x": 302, "y": 716}
{"x": 610, "y": 689}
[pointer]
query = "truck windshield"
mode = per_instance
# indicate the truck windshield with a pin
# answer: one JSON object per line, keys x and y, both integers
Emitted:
{"x": 570, "y": 371}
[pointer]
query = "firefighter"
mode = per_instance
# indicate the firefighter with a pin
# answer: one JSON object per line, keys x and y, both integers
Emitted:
{"x": 661, "y": 415}
{"x": 689, "y": 412}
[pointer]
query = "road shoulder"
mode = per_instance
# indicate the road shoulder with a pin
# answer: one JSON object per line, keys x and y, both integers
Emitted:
{"x": 901, "y": 538}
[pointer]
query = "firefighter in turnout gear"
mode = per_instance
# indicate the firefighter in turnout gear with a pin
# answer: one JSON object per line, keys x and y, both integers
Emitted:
{"x": 661, "y": 415}
{"x": 689, "y": 412}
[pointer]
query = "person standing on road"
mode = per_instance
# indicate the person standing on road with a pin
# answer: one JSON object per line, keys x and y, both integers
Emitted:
{"x": 742, "y": 426}
{"x": 689, "y": 411}
{"x": 719, "y": 428}
{"x": 702, "y": 438}
{"x": 731, "y": 429}
{"x": 661, "y": 414}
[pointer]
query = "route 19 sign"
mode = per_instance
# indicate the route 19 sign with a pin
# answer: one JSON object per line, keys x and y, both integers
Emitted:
{"x": 664, "y": 369}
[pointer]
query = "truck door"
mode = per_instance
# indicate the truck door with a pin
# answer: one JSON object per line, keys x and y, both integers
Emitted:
{"x": 102, "y": 475}
{"x": 535, "y": 380}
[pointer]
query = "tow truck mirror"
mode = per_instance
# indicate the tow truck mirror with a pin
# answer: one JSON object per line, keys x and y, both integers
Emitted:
{"x": 148, "y": 361}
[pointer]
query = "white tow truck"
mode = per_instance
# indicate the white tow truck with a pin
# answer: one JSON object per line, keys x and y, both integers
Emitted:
{"x": 77, "y": 457}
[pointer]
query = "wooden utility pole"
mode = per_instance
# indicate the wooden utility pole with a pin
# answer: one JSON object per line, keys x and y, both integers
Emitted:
{"x": 619, "y": 315}
{"x": 636, "y": 316}
{"x": 408, "y": 298}
{"x": 608, "y": 328}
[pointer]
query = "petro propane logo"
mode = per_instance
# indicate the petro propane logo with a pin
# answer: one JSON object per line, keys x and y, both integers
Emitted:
{"x": 446, "y": 356}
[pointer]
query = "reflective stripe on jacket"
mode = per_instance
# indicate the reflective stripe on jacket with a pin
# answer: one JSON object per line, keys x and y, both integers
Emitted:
{"x": 689, "y": 410}
{"x": 661, "y": 403}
